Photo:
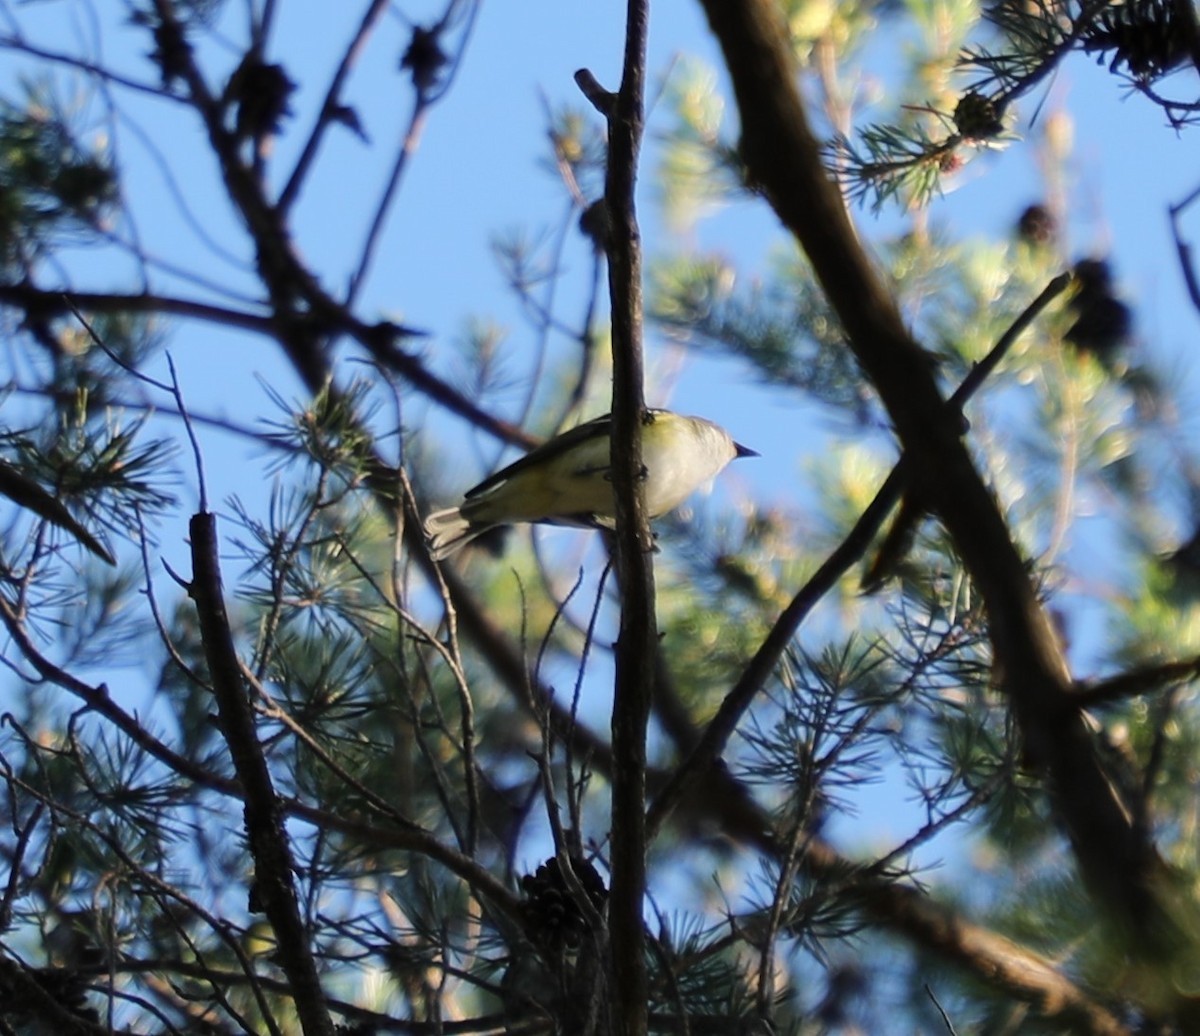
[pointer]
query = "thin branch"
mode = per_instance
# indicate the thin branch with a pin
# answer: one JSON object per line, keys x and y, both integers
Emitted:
{"x": 23, "y": 46}
{"x": 329, "y": 108}
{"x": 162, "y": 890}
{"x": 180, "y": 198}
{"x": 899, "y": 536}
{"x": 53, "y": 302}
{"x": 411, "y": 839}
{"x": 269, "y": 845}
{"x": 1183, "y": 249}
{"x": 638, "y": 637}
{"x": 378, "y": 339}
{"x": 98, "y": 700}
{"x": 705, "y": 753}
{"x": 428, "y": 93}
{"x": 980, "y": 371}
{"x": 273, "y": 710}
{"x": 452, "y": 657}
{"x": 1143, "y": 680}
{"x": 941, "y": 1010}
{"x": 754, "y": 677}
{"x": 408, "y": 147}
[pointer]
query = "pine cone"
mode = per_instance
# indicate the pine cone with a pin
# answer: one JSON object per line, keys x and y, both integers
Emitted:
{"x": 553, "y": 916}
{"x": 977, "y": 117}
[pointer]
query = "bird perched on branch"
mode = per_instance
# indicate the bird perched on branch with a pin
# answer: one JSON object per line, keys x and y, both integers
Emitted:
{"x": 566, "y": 481}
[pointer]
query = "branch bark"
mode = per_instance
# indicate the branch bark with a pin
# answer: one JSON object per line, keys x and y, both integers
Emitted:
{"x": 268, "y": 840}
{"x": 638, "y": 637}
{"x": 782, "y": 157}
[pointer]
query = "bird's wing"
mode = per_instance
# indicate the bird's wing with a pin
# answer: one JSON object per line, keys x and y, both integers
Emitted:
{"x": 596, "y": 428}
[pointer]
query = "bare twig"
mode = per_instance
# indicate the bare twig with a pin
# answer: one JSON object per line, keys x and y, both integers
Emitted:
{"x": 1183, "y": 248}
{"x": 269, "y": 845}
{"x": 637, "y": 639}
{"x": 329, "y": 108}
{"x": 427, "y": 95}
{"x": 941, "y": 1010}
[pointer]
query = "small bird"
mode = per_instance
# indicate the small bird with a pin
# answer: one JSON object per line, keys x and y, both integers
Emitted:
{"x": 566, "y": 481}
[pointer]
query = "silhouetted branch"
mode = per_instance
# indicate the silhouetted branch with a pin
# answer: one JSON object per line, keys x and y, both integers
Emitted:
{"x": 1143, "y": 680}
{"x": 267, "y": 837}
{"x": 328, "y": 113}
{"x": 1184, "y": 249}
{"x": 851, "y": 550}
{"x": 637, "y": 639}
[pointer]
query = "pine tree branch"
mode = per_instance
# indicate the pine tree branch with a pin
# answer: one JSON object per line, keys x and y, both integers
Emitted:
{"x": 155, "y": 887}
{"x": 98, "y": 700}
{"x": 637, "y": 641}
{"x": 22, "y": 46}
{"x": 716, "y": 796}
{"x": 1142, "y": 680}
{"x": 413, "y": 839}
{"x": 274, "y": 866}
{"x": 25, "y": 492}
{"x": 304, "y": 315}
{"x": 20, "y": 984}
{"x": 994, "y": 959}
{"x": 378, "y": 339}
{"x": 759, "y": 670}
{"x": 54, "y": 302}
{"x": 330, "y": 107}
{"x": 706, "y": 752}
{"x": 783, "y": 158}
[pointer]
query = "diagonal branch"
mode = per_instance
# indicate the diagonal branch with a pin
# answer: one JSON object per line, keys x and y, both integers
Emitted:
{"x": 378, "y": 339}
{"x": 304, "y": 315}
{"x": 719, "y": 798}
{"x": 1143, "y": 680}
{"x": 783, "y": 159}
{"x": 708, "y": 750}
{"x": 329, "y": 109}
{"x": 274, "y": 865}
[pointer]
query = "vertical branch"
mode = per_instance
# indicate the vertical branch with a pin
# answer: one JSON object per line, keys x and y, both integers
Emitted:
{"x": 265, "y": 833}
{"x": 638, "y": 631}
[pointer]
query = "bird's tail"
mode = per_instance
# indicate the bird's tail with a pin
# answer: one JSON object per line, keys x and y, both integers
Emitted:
{"x": 448, "y": 531}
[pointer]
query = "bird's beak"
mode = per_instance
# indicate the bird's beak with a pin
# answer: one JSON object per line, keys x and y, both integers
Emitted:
{"x": 744, "y": 451}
